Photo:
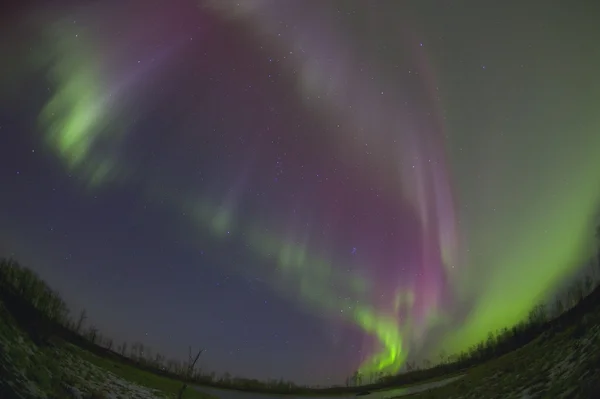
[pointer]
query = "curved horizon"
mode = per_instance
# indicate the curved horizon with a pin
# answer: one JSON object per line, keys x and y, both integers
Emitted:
{"x": 334, "y": 186}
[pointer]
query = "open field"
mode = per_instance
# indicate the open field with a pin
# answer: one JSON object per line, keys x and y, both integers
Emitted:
{"x": 61, "y": 370}
{"x": 40, "y": 358}
{"x": 558, "y": 364}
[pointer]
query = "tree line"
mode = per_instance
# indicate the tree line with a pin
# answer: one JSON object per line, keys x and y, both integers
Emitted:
{"x": 541, "y": 318}
{"x": 21, "y": 281}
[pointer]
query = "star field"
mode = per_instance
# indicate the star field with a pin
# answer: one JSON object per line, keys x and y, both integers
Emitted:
{"x": 301, "y": 188}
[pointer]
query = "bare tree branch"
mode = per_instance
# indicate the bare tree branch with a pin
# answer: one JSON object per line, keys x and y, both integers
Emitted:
{"x": 191, "y": 364}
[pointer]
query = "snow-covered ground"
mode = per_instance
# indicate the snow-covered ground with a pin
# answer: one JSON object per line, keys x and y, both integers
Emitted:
{"x": 557, "y": 365}
{"x": 27, "y": 371}
{"x": 560, "y": 365}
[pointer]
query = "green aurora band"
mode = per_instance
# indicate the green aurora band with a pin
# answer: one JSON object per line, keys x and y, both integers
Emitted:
{"x": 509, "y": 269}
{"x": 82, "y": 116}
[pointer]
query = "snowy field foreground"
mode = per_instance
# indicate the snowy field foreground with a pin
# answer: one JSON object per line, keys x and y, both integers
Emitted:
{"x": 65, "y": 371}
{"x": 33, "y": 375}
{"x": 558, "y": 364}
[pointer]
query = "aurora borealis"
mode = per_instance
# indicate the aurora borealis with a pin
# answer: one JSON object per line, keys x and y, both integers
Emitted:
{"x": 304, "y": 188}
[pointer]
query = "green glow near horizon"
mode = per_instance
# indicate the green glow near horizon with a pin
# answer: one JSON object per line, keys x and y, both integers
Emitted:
{"x": 511, "y": 268}
{"x": 527, "y": 264}
{"x": 313, "y": 278}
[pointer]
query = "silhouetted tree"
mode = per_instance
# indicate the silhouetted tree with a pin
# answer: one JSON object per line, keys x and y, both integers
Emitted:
{"x": 190, "y": 370}
{"x": 490, "y": 343}
{"x": 442, "y": 356}
{"x": 588, "y": 284}
{"x": 598, "y": 242}
{"x": 226, "y": 377}
{"x": 356, "y": 378}
{"x": 172, "y": 365}
{"x": 537, "y": 315}
{"x": 159, "y": 360}
{"x": 559, "y": 307}
{"x": 148, "y": 356}
{"x": 24, "y": 282}
{"x": 133, "y": 352}
{"x": 92, "y": 334}
{"x": 80, "y": 321}
{"x": 576, "y": 292}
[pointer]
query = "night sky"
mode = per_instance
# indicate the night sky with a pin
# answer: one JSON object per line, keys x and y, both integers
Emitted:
{"x": 302, "y": 188}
